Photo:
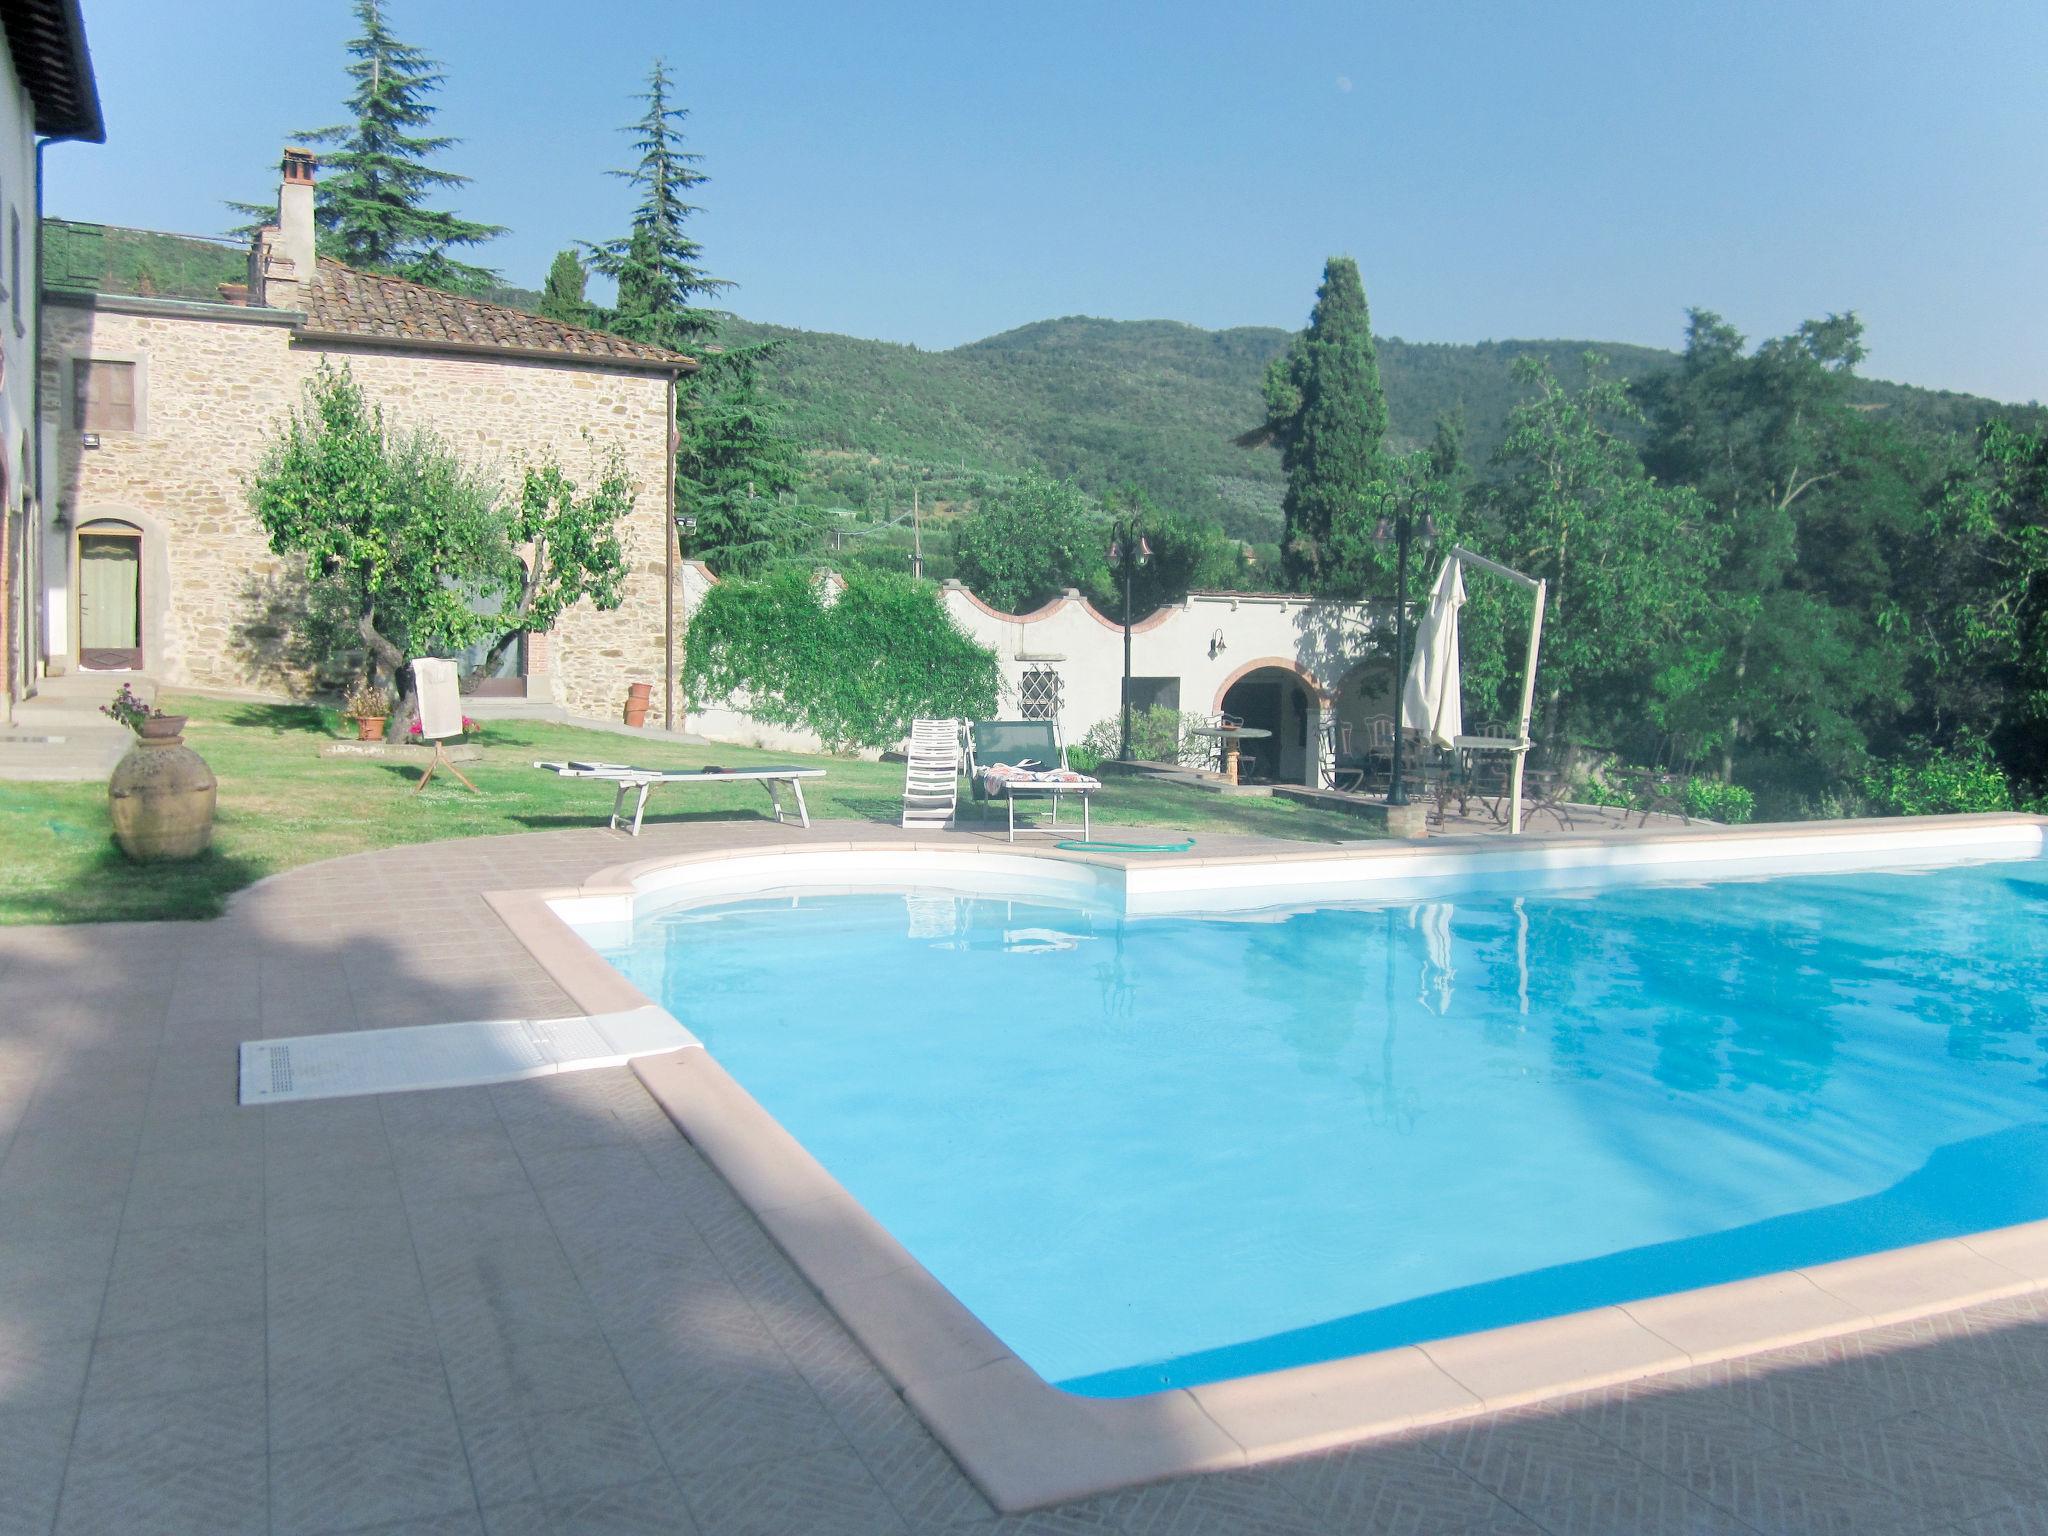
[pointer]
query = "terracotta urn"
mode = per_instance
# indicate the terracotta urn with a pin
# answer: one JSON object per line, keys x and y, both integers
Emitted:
{"x": 161, "y": 795}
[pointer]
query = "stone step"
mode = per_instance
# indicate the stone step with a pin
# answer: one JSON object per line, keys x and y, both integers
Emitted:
{"x": 60, "y": 762}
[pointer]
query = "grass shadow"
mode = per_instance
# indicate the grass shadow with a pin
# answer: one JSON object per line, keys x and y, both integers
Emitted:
{"x": 111, "y": 887}
{"x": 596, "y": 817}
{"x": 279, "y": 719}
{"x": 410, "y": 774}
{"x": 886, "y": 809}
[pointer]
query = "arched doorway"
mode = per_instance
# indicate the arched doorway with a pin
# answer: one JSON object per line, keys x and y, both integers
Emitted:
{"x": 109, "y": 564}
{"x": 1278, "y": 700}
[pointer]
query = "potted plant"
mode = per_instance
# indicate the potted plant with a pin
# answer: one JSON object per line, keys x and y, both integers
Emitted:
{"x": 369, "y": 707}
{"x": 161, "y": 795}
{"x": 148, "y": 723}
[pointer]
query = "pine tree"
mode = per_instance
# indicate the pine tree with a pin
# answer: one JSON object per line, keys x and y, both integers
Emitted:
{"x": 736, "y": 465}
{"x": 562, "y": 299}
{"x": 656, "y": 264}
{"x": 1327, "y": 415}
{"x": 369, "y": 204}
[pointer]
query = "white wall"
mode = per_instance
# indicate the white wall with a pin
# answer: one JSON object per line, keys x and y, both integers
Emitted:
{"x": 17, "y": 340}
{"x": 1207, "y": 641}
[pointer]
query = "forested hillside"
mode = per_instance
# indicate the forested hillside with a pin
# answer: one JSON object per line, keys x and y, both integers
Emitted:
{"x": 1103, "y": 402}
{"x": 1150, "y": 402}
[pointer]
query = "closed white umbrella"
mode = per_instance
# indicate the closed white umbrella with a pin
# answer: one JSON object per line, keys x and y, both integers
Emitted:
{"x": 1429, "y": 699}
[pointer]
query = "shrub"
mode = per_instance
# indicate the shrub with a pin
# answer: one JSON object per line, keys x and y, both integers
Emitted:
{"x": 1596, "y": 791}
{"x": 854, "y": 669}
{"x": 1158, "y": 735}
{"x": 1083, "y": 759}
{"x": 1712, "y": 800}
{"x": 1937, "y": 783}
{"x": 1022, "y": 548}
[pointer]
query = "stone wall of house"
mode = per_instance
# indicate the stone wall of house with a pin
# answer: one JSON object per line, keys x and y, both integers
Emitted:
{"x": 215, "y": 384}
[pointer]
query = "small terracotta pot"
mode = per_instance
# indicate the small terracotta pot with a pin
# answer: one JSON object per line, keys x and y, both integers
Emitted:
{"x": 636, "y": 711}
{"x": 370, "y": 727}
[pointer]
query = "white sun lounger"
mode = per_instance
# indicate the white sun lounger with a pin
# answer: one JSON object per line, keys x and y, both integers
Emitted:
{"x": 641, "y": 781}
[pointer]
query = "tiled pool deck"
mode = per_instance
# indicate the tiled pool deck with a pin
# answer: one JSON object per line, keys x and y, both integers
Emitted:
{"x": 535, "y": 1309}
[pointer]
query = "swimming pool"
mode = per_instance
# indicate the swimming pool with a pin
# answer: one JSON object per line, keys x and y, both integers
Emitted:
{"x": 1157, "y": 1149}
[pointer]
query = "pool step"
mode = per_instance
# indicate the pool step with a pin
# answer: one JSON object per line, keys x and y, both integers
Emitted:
{"x": 450, "y": 1055}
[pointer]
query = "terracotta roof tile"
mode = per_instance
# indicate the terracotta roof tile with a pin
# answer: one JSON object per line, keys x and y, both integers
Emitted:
{"x": 344, "y": 301}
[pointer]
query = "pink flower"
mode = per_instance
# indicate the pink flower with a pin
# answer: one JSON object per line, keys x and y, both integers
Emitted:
{"x": 468, "y": 725}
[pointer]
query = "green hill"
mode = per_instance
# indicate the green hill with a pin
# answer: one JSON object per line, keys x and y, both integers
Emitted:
{"x": 1150, "y": 401}
{"x": 1105, "y": 402}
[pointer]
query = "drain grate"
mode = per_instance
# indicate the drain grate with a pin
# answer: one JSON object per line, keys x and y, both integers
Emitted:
{"x": 449, "y": 1055}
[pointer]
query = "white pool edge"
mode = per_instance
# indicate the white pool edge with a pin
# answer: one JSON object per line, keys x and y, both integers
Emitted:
{"x": 1027, "y": 1443}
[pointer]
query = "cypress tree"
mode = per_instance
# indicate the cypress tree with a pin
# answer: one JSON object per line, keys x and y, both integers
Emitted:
{"x": 656, "y": 263}
{"x": 369, "y": 206}
{"x": 1327, "y": 415}
{"x": 562, "y": 299}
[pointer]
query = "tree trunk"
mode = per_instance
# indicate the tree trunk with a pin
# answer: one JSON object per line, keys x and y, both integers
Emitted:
{"x": 386, "y": 658}
{"x": 496, "y": 653}
{"x": 527, "y": 588}
{"x": 1734, "y": 717}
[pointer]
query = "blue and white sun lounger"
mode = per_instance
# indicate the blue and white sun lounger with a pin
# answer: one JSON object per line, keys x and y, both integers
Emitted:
{"x": 641, "y": 782}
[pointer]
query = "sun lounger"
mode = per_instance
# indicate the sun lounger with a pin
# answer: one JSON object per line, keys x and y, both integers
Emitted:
{"x": 641, "y": 782}
{"x": 1007, "y": 759}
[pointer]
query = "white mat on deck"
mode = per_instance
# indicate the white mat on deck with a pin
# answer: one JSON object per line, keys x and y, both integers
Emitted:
{"x": 450, "y": 1055}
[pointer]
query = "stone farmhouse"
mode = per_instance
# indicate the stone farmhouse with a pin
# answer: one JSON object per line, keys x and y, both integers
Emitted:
{"x": 159, "y": 409}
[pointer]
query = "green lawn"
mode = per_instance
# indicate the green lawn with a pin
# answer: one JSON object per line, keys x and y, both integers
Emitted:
{"x": 282, "y": 805}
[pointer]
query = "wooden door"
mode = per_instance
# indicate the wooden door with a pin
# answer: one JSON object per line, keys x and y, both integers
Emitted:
{"x": 110, "y": 600}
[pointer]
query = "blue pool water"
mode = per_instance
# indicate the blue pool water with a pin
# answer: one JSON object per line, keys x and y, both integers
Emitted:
{"x": 1153, "y": 1151}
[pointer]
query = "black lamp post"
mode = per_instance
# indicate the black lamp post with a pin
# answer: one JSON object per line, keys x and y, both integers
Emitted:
{"x": 1402, "y": 527}
{"x": 1127, "y": 548}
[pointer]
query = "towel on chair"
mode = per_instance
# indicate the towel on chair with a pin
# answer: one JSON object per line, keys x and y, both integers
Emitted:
{"x": 1000, "y": 778}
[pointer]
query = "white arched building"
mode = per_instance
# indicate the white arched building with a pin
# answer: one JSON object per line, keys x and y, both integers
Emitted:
{"x": 1294, "y": 665}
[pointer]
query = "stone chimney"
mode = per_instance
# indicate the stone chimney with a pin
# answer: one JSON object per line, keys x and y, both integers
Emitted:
{"x": 281, "y": 257}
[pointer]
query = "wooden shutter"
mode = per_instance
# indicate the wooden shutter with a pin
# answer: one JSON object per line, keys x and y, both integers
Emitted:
{"x": 104, "y": 396}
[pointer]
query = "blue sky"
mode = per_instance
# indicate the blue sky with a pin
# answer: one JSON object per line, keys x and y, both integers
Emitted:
{"x": 937, "y": 173}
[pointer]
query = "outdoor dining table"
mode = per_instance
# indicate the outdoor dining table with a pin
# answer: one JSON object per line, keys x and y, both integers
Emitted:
{"x": 1495, "y": 800}
{"x": 1229, "y": 736}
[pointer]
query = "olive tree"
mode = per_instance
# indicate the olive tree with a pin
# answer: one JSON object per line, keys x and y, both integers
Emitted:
{"x": 422, "y": 550}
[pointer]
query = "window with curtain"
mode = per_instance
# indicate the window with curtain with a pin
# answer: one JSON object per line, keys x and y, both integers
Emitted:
{"x": 103, "y": 396}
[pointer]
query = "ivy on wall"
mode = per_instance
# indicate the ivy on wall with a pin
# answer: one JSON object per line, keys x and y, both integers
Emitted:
{"x": 854, "y": 666}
